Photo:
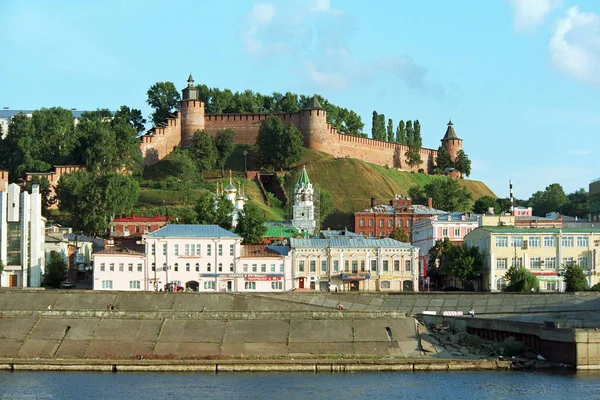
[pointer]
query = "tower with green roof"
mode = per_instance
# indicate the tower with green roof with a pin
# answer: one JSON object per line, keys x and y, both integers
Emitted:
{"x": 303, "y": 217}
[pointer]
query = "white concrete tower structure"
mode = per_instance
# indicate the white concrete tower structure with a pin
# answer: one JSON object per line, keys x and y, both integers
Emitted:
{"x": 304, "y": 209}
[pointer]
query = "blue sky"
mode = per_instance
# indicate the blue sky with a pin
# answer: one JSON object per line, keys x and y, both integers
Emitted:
{"x": 519, "y": 78}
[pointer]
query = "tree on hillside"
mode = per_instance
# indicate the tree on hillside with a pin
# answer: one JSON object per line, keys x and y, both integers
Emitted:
{"x": 413, "y": 156}
{"x": 127, "y": 144}
{"x": 48, "y": 199}
{"x": 184, "y": 167}
{"x": 251, "y": 225}
{"x": 224, "y": 140}
{"x": 390, "y": 131}
{"x": 326, "y": 206}
{"x": 205, "y": 214}
{"x": 133, "y": 117}
{"x": 54, "y": 138}
{"x": 223, "y": 212}
{"x": 520, "y": 279}
{"x": 551, "y": 199}
{"x": 417, "y": 194}
{"x": 163, "y": 97}
{"x": 56, "y": 271}
{"x": 203, "y": 151}
{"x": 575, "y": 278}
{"x": 464, "y": 263}
{"x": 462, "y": 164}
{"x": 417, "y": 139}
{"x": 483, "y": 204}
{"x": 279, "y": 146}
{"x": 410, "y": 133}
{"x": 92, "y": 199}
{"x": 400, "y": 235}
{"x": 447, "y": 194}
{"x": 577, "y": 204}
{"x": 401, "y": 132}
{"x": 443, "y": 161}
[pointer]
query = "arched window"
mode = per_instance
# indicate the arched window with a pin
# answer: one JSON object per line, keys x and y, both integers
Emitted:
{"x": 187, "y": 267}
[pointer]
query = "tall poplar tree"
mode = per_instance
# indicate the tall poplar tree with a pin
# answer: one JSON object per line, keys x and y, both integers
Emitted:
{"x": 390, "y": 131}
{"x": 401, "y": 132}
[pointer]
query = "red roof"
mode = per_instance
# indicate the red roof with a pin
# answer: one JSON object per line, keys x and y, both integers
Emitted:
{"x": 135, "y": 218}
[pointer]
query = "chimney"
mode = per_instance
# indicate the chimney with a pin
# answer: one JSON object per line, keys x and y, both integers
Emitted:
{"x": 429, "y": 202}
{"x": 372, "y": 202}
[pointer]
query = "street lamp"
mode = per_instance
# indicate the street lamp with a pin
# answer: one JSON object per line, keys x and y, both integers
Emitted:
{"x": 245, "y": 154}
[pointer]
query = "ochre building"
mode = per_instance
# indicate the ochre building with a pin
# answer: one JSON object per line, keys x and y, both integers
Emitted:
{"x": 178, "y": 131}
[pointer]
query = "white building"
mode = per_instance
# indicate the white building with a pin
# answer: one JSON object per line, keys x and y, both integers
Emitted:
{"x": 204, "y": 258}
{"x": 353, "y": 264}
{"x": 237, "y": 199}
{"x": 303, "y": 215}
{"x": 22, "y": 237}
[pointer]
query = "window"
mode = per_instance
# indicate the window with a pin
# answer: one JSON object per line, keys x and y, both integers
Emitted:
{"x": 139, "y": 268}
{"x": 250, "y": 285}
{"x": 444, "y": 232}
{"x": 231, "y": 250}
{"x": 385, "y": 284}
{"x": 231, "y": 267}
{"x": 313, "y": 265}
{"x": 209, "y": 285}
{"x": 323, "y": 265}
{"x": 400, "y": 224}
{"x": 535, "y": 263}
{"x": 386, "y": 267}
{"x": 134, "y": 284}
{"x": 408, "y": 224}
{"x": 396, "y": 265}
{"x": 550, "y": 262}
{"x": 373, "y": 265}
{"x": 281, "y": 268}
{"x": 535, "y": 241}
{"x": 346, "y": 265}
{"x": 549, "y": 241}
{"x": 197, "y": 267}
{"x": 301, "y": 265}
{"x": 362, "y": 222}
{"x": 164, "y": 249}
{"x": 102, "y": 267}
{"x": 245, "y": 268}
{"x": 187, "y": 249}
{"x": 370, "y": 222}
{"x": 254, "y": 267}
{"x": 176, "y": 267}
{"x": 381, "y": 222}
{"x": 277, "y": 285}
{"x": 582, "y": 262}
{"x": 111, "y": 267}
{"x": 456, "y": 232}
{"x": 153, "y": 249}
{"x": 407, "y": 265}
{"x": 516, "y": 241}
{"x": 208, "y": 249}
{"x": 551, "y": 286}
{"x": 582, "y": 241}
{"x": 130, "y": 267}
{"x": 273, "y": 268}
{"x": 187, "y": 267}
{"x": 566, "y": 261}
{"x": 220, "y": 267}
{"x": 153, "y": 267}
{"x": 468, "y": 231}
{"x": 566, "y": 241}
{"x": 208, "y": 267}
{"x": 354, "y": 265}
{"x": 390, "y": 223}
{"x": 263, "y": 267}
{"x": 176, "y": 250}
{"x": 501, "y": 241}
{"x": 517, "y": 262}
{"x": 107, "y": 284}
{"x": 220, "y": 249}
{"x": 501, "y": 263}
{"x": 336, "y": 265}
{"x": 121, "y": 267}
{"x": 164, "y": 267}
{"x": 362, "y": 265}
{"x": 198, "y": 250}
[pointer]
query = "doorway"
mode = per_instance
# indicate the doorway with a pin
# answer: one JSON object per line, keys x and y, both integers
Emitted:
{"x": 12, "y": 280}
{"x": 229, "y": 286}
{"x": 354, "y": 286}
{"x": 300, "y": 283}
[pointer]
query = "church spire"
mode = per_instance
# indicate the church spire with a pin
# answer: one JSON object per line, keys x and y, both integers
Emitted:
{"x": 303, "y": 180}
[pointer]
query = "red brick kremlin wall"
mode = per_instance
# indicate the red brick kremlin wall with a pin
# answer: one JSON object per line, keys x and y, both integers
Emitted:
{"x": 318, "y": 135}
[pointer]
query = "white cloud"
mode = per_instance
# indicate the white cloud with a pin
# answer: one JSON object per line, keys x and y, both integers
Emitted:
{"x": 529, "y": 14}
{"x": 324, "y": 6}
{"x": 580, "y": 152}
{"x": 262, "y": 13}
{"x": 575, "y": 46}
{"x": 259, "y": 18}
{"x": 333, "y": 80}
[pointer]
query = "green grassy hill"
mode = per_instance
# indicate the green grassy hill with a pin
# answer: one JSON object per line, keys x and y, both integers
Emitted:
{"x": 351, "y": 183}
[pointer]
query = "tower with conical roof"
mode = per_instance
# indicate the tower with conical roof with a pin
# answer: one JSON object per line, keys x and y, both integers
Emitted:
{"x": 451, "y": 142}
{"x": 192, "y": 112}
{"x": 303, "y": 216}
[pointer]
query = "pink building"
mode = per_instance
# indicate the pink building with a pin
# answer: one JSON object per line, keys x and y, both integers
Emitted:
{"x": 454, "y": 226}
{"x": 521, "y": 211}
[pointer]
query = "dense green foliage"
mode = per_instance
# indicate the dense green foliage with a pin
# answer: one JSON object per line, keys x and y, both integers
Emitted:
{"x": 483, "y": 204}
{"x": 575, "y": 278}
{"x": 400, "y": 235}
{"x": 447, "y": 194}
{"x": 279, "y": 146}
{"x": 93, "y": 199}
{"x": 224, "y": 147}
{"x": 326, "y": 206}
{"x": 463, "y": 164}
{"x": 251, "y": 225}
{"x": 164, "y": 98}
{"x": 520, "y": 279}
{"x": 56, "y": 271}
{"x": 203, "y": 151}
{"x": 449, "y": 261}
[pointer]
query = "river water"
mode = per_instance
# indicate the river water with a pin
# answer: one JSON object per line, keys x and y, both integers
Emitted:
{"x": 385, "y": 385}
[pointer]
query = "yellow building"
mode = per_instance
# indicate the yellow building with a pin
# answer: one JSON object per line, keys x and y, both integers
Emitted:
{"x": 544, "y": 251}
